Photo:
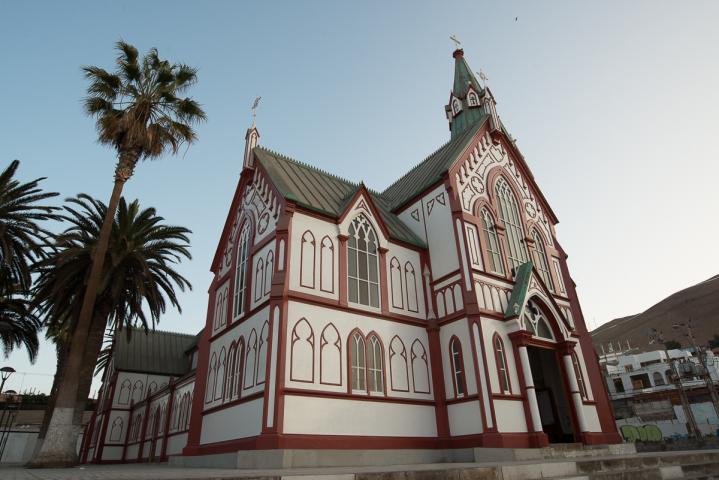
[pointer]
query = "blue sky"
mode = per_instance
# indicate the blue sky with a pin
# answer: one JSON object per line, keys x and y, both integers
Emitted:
{"x": 613, "y": 105}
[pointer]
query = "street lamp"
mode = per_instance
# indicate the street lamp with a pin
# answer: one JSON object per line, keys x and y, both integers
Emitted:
{"x": 5, "y": 373}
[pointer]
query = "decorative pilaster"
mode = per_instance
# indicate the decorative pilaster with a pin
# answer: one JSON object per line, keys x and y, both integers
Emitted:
{"x": 566, "y": 351}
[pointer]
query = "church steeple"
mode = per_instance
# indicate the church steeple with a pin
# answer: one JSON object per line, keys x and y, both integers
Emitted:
{"x": 464, "y": 108}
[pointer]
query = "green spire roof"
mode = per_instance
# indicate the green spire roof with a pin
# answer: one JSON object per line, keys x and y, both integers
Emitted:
{"x": 463, "y": 78}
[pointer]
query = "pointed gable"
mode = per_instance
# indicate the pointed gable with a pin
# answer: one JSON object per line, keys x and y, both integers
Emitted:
{"x": 325, "y": 193}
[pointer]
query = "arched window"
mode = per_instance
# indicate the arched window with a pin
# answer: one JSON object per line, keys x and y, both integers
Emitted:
{"x": 457, "y": 362}
{"x": 259, "y": 278}
{"x": 307, "y": 260}
{"x": 124, "y": 397}
{"x": 512, "y": 222}
{"x": 231, "y": 372}
{"x": 269, "y": 270}
{"x": 658, "y": 379}
{"x": 243, "y": 248}
{"x": 410, "y": 281}
{"x": 578, "y": 374}
{"x": 395, "y": 282}
{"x": 540, "y": 257}
{"x": 116, "y": 430}
{"x": 535, "y": 322}
{"x": 472, "y": 99}
{"x": 211, "y": 379}
{"x": 362, "y": 271}
{"x": 137, "y": 389}
{"x": 501, "y": 361}
{"x": 375, "y": 365}
{"x": 221, "y": 372}
{"x": 239, "y": 367}
{"x": 358, "y": 362}
{"x": 491, "y": 243}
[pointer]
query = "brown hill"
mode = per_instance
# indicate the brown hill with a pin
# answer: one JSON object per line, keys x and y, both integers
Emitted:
{"x": 699, "y": 302}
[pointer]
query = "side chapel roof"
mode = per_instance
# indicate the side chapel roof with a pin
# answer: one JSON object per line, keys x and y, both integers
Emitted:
{"x": 156, "y": 352}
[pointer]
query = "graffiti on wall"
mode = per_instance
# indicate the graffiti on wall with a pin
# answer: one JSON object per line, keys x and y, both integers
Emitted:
{"x": 642, "y": 433}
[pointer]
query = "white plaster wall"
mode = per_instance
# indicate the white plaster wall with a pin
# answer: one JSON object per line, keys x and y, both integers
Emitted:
{"x": 328, "y": 416}
{"x": 404, "y": 255}
{"x": 132, "y": 450}
{"x": 510, "y": 416}
{"x": 431, "y": 221}
{"x": 176, "y": 443}
{"x": 241, "y": 421}
{"x": 459, "y": 328}
{"x": 319, "y": 228}
{"x": 591, "y": 418}
{"x": 320, "y": 318}
{"x": 489, "y": 327}
{"x": 244, "y": 330}
{"x": 111, "y": 453}
{"x": 465, "y": 418}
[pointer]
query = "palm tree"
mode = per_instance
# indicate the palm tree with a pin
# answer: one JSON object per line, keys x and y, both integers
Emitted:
{"x": 22, "y": 242}
{"x": 140, "y": 114}
{"x": 138, "y": 281}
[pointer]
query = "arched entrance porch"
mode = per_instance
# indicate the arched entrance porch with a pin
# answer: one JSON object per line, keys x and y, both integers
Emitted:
{"x": 553, "y": 404}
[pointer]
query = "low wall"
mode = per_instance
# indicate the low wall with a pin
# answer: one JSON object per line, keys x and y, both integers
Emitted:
{"x": 20, "y": 446}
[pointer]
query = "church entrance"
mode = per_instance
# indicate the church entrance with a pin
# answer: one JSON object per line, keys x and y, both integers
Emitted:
{"x": 554, "y": 403}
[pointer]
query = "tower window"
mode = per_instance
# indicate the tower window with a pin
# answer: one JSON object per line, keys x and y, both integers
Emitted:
{"x": 492, "y": 243}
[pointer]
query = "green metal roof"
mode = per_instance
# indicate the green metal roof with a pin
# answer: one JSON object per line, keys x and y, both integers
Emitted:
{"x": 463, "y": 77}
{"x": 519, "y": 292}
{"x": 325, "y": 193}
{"x": 157, "y": 352}
{"x": 430, "y": 170}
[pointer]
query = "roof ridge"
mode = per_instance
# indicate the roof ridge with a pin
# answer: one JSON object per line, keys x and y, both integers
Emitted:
{"x": 306, "y": 165}
{"x": 418, "y": 164}
{"x": 155, "y": 330}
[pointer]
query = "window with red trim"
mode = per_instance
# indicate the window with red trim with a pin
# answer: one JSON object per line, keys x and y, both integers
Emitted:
{"x": 501, "y": 361}
{"x": 580, "y": 377}
{"x": 457, "y": 362}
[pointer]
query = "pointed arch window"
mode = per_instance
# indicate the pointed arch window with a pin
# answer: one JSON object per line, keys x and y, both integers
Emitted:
{"x": 491, "y": 243}
{"x": 243, "y": 248}
{"x": 358, "y": 363}
{"x": 535, "y": 322}
{"x": 500, "y": 358}
{"x": 580, "y": 377}
{"x": 231, "y": 372}
{"x": 375, "y": 365}
{"x": 540, "y": 255}
{"x": 457, "y": 362}
{"x": 362, "y": 263}
{"x": 512, "y": 221}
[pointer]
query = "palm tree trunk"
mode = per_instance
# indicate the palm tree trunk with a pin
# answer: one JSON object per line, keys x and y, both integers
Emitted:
{"x": 59, "y": 449}
{"x": 61, "y": 351}
{"x": 94, "y": 345}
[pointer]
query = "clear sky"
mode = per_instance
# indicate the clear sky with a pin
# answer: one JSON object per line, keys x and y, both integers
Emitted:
{"x": 614, "y": 105}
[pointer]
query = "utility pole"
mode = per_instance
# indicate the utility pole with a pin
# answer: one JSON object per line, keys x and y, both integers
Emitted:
{"x": 701, "y": 354}
{"x": 692, "y": 427}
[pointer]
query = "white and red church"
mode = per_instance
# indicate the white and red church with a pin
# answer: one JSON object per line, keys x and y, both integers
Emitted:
{"x": 436, "y": 315}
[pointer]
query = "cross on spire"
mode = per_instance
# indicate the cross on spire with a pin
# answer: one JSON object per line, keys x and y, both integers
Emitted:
{"x": 456, "y": 41}
{"x": 254, "y": 109}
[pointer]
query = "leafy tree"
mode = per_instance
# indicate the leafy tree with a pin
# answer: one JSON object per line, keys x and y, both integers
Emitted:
{"x": 140, "y": 112}
{"x": 672, "y": 345}
{"x": 22, "y": 242}
{"x": 714, "y": 342}
{"x": 138, "y": 281}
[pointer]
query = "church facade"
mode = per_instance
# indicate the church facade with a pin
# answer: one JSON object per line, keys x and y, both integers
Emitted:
{"x": 437, "y": 314}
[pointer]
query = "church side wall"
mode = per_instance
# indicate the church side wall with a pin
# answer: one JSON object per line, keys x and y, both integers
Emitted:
{"x": 317, "y": 377}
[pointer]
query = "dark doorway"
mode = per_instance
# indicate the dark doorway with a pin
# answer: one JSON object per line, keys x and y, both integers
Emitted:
{"x": 554, "y": 407}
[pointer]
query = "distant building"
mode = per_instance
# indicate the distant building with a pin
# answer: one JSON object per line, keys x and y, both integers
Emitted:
{"x": 644, "y": 390}
{"x": 437, "y": 314}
